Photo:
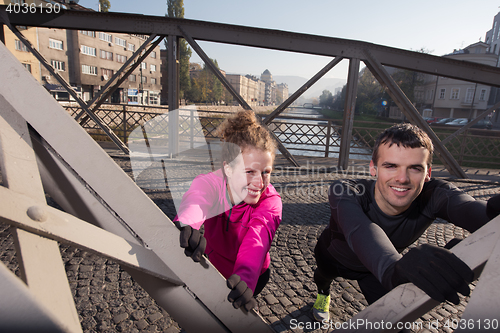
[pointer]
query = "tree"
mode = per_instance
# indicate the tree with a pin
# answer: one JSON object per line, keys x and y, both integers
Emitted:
{"x": 326, "y": 99}
{"x": 104, "y": 5}
{"x": 175, "y": 8}
{"x": 369, "y": 93}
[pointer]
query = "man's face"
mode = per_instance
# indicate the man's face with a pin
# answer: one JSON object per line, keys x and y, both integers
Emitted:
{"x": 401, "y": 173}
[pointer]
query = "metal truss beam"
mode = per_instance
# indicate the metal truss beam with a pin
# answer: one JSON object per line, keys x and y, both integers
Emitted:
{"x": 411, "y": 112}
{"x": 99, "y": 190}
{"x": 302, "y": 90}
{"x": 62, "y": 81}
{"x": 128, "y": 67}
{"x": 471, "y": 123}
{"x": 236, "y": 95}
{"x": 407, "y": 302}
{"x": 262, "y": 38}
{"x": 348, "y": 119}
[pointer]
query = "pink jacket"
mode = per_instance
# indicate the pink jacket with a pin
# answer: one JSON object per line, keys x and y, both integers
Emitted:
{"x": 238, "y": 238}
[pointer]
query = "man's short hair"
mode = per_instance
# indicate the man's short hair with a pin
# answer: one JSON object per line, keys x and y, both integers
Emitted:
{"x": 406, "y": 135}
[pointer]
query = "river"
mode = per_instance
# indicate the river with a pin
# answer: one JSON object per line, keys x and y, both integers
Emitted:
{"x": 310, "y": 135}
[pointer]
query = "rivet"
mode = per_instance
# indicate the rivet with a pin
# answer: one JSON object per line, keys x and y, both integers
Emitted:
{"x": 37, "y": 213}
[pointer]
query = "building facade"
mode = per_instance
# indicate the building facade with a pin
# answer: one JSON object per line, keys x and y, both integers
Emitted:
{"x": 87, "y": 60}
{"x": 451, "y": 98}
{"x": 18, "y": 49}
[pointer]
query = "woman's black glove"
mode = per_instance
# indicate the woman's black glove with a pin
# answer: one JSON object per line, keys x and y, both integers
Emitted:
{"x": 437, "y": 271}
{"x": 192, "y": 241}
{"x": 493, "y": 206}
{"x": 240, "y": 295}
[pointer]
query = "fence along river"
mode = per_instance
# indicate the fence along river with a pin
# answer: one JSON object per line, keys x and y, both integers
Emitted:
{"x": 303, "y": 131}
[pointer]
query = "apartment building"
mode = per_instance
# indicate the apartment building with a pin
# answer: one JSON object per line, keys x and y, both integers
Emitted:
{"x": 249, "y": 87}
{"x": 14, "y": 45}
{"x": 453, "y": 98}
{"x": 87, "y": 60}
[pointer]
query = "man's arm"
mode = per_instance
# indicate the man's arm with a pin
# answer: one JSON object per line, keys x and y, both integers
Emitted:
{"x": 461, "y": 209}
{"x": 365, "y": 238}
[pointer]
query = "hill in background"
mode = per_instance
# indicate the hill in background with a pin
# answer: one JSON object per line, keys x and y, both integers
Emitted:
{"x": 295, "y": 82}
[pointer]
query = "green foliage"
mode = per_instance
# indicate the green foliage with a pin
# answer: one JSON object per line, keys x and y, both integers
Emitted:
{"x": 326, "y": 99}
{"x": 206, "y": 87}
{"x": 369, "y": 93}
{"x": 175, "y": 8}
{"x": 104, "y": 5}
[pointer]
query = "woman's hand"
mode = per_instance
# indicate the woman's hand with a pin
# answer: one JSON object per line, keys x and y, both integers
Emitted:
{"x": 240, "y": 295}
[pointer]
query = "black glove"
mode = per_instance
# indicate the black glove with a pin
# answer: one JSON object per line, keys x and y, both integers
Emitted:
{"x": 240, "y": 294}
{"x": 437, "y": 271}
{"x": 193, "y": 242}
{"x": 493, "y": 206}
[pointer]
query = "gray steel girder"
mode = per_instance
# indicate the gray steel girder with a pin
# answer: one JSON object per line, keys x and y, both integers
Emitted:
{"x": 262, "y": 38}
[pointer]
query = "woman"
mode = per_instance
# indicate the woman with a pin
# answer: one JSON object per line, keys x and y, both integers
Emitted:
{"x": 239, "y": 208}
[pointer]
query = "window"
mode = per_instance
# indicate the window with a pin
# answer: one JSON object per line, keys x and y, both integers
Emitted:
{"x": 144, "y": 79}
{"x": 58, "y": 65}
{"x": 132, "y": 78}
{"x": 121, "y": 58}
{"x": 131, "y": 47}
{"x": 152, "y": 68}
{"x": 153, "y": 98}
{"x": 455, "y": 93}
{"x": 105, "y": 37}
{"x": 153, "y": 54}
{"x": 91, "y": 70}
{"x": 469, "y": 95}
{"x": 106, "y": 55}
{"x": 482, "y": 95}
{"x": 56, "y": 44}
{"x": 106, "y": 73}
{"x": 153, "y": 80}
{"x": 20, "y": 46}
{"x": 144, "y": 65}
{"x": 88, "y": 33}
{"x": 28, "y": 67}
{"x": 442, "y": 93}
{"x": 91, "y": 51}
{"x": 121, "y": 42}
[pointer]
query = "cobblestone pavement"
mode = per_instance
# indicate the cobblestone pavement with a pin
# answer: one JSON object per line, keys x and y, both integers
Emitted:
{"x": 108, "y": 300}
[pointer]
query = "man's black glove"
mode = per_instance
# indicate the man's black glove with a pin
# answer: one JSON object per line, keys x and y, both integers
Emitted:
{"x": 493, "y": 206}
{"x": 240, "y": 295}
{"x": 192, "y": 241}
{"x": 437, "y": 271}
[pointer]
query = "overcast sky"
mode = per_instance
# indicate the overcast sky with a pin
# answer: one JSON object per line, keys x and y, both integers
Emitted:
{"x": 439, "y": 26}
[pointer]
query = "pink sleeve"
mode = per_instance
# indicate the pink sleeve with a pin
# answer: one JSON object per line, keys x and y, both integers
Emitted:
{"x": 257, "y": 241}
{"x": 197, "y": 202}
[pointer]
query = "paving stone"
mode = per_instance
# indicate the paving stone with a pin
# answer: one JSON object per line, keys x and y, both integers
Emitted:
{"x": 108, "y": 300}
{"x": 119, "y": 318}
{"x": 270, "y": 299}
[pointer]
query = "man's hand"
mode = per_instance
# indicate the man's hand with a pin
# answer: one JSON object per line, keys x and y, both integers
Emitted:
{"x": 240, "y": 295}
{"x": 493, "y": 206}
{"x": 437, "y": 271}
{"x": 193, "y": 242}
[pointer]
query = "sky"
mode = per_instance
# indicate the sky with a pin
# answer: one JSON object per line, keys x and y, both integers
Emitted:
{"x": 437, "y": 26}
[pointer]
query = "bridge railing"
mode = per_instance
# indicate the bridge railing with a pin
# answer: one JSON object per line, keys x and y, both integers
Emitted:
{"x": 301, "y": 135}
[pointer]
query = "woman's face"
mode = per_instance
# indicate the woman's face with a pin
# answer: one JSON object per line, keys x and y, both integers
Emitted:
{"x": 248, "y": 175}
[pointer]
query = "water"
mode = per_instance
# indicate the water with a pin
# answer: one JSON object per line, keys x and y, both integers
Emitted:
{"x": 310, "y": 135}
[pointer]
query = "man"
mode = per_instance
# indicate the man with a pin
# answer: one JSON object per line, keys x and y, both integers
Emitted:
{"x": 373, "y": 221}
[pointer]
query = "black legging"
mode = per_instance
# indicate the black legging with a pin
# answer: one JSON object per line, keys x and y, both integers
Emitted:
{"x": 261, "y": 283}
{"x": 328, "y": 269}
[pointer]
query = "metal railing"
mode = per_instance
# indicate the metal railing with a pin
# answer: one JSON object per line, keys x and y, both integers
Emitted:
{"x": 302, "y": 135}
